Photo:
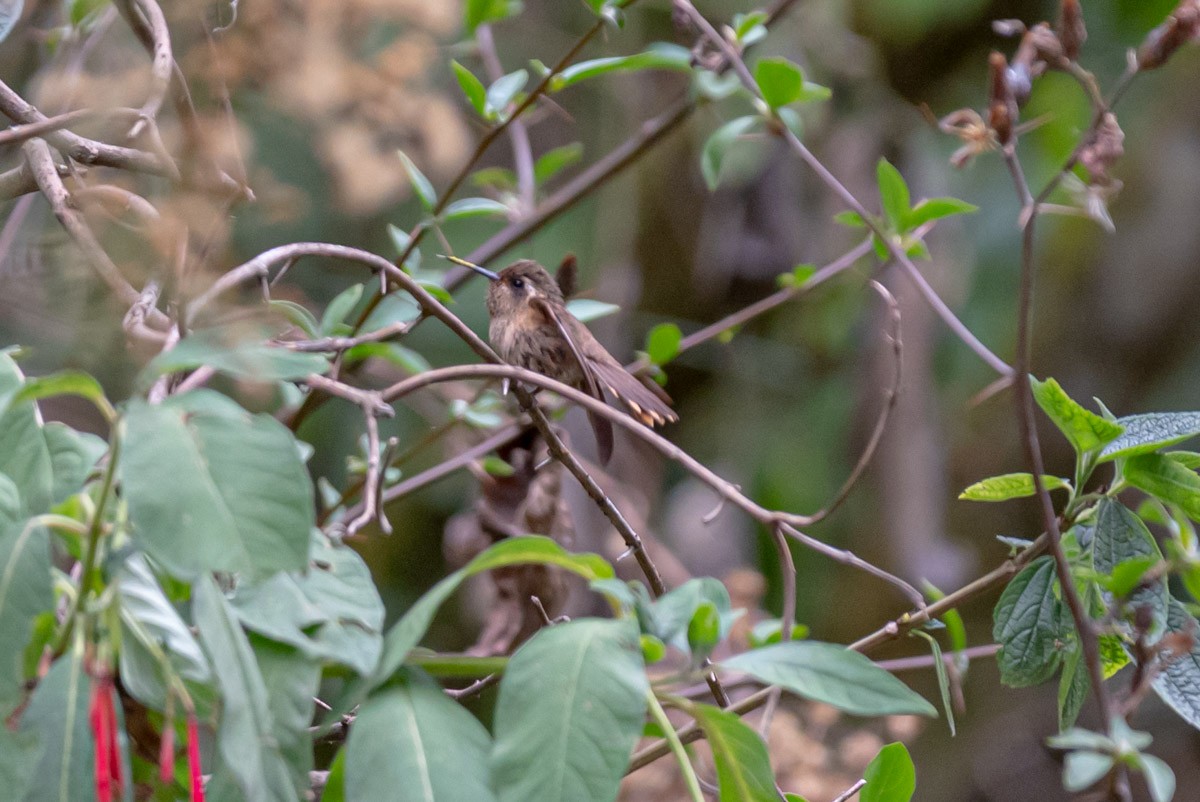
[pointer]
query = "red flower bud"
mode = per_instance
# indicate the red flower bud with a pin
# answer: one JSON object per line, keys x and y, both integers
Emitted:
{"x": 166, "y": 753}
{"x": 193, "y": 747}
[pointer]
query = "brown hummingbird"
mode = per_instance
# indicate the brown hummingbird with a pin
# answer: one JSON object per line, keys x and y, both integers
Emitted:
{"x": 532, "y": 328}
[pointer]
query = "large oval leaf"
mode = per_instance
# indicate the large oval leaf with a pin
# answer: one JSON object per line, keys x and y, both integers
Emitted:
{"x": 742, "y": 762}
{"x": 1145, "y": 434}
{"x": 411, "y": 743}
{"x": 827, "y": 672}
{"x": 570, "y": 709}
{"x": 1031, "y": 625}
{"x": 213, "y": 491}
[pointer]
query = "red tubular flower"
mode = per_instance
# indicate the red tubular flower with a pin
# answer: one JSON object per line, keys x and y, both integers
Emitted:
{"x": 102, "y": 718}
{"x": 166, "y": 753}
{"x": 98, "y": 721}
{"x": 193, "y": 747}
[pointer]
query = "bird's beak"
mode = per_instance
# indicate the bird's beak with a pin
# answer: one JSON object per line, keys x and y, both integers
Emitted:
{"x": 483, "y": 271}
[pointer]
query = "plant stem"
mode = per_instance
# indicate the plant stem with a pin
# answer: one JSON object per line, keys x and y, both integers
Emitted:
{"x": 685, "y": 765}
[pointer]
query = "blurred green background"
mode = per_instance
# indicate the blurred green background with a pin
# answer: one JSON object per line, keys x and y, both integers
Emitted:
{"x": 324, "y": 91}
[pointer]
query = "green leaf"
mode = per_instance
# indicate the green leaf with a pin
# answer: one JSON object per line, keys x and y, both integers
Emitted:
{"x": 749, "y": 28}
{"x": 1084, "y": 430}
{"x": 25, "y": 592}
{"x": 891, "y": 776}
{"x": 412, "y": 743}
{"x": 503, "y": 90}
{"x": 1159, "y": 777}
{"x": 1030, "y": 623}
{"x": 662, "y": 343}
{"x": 671, "y": 614}
{"x": 779, "y": 80}
{"x": 1121, "y": 537}
{"x": 1145, "y": 434}
{"x": 1188, "y": 459}
{"x": 742, "y": 761}
{"x": 827, "y": 672}
{"x": 1166, "y": 480}
{"x": 342, "y": 305}
{"x": 569, "y": 712}
{"x": 150, "y": 626}
{"x": 1084, "y": 769}
{"x": 249, "y": 359}
{"x": 19, "y": 753}
{"x": 420, "y": 184}
{"x": 331, "y": 612}
{"x": 936, "y": 209}
{"x": 24, "y": 455}
{"x": 400, "y": 241}
{"x": 298, "y": 316}
{"x": 292, "y": 681}
{"x": 704, "y": 630}
{"x": 472, "y": 87}
{"x": 57, "y": 716}
{"x": 586, "y": 310}
{"x": 659, "y": 56}
{"x": 403, "y": 357}
{"x": 713, "y": 155}
{"x": 215, "y": 492}
{"x": 497, "y": 467}
{"x": 943, "y": 678}
{"x": 1073, "y": 688}
{"x": 480, "y": 11}
{"x": 893, "y": 194}
{"x": 73, "y": 455}
{"x": 246, "y": 739}
{"x": 554, "y": 161}
{"x": 475, "y": 207}
{"x": 1009, "y": 486}
{"x": 408, "y": 631}
{"x": 850, "y": 219}
{"x": 770, "y": 630}
{"x": 67, "y": 382}
{"x": 1179, "y": 682}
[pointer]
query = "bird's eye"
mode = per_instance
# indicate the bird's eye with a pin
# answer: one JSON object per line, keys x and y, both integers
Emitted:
{"x": 518, "y": 283}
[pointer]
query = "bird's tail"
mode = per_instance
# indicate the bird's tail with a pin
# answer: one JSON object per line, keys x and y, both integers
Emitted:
{"x": 648, "y": 403}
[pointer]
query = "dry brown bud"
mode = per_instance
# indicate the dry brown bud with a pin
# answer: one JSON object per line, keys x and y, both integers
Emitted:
{"x": 1047, "y": 44}
{"x": 1071, "y": 30}
{"x": 1105, "y": 148}
{"x": 1161, "y": 43}
{"x": 1001, "y": 103}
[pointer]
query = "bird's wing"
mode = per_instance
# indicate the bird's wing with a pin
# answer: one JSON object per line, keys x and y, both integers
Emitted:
{"x": 601, "y": 426}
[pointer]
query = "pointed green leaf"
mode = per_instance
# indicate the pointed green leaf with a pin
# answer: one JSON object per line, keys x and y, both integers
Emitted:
{"x": 552, "y": 162}
{"x": 833, "y": 674}
{"x": 465, "y": 208}
{"x": 659, "y": 56}
{"x": 420, "y": 184}
{"x": 1030, "y": 623}
{"x": 471, "y": 87}
{"x": 893, "y": 194}
{"x": 342, "y": 305}
{"x": 1084, "y": 430}
{"x": 58, "y": 717}
{"x": 255, "y": 360}
{"x": 891, "y": 776}
{"x": 713, "y": 155}
{"x": 298, "y": 316}
{"x": 586, "y": 310}
{"x": 943, "y": 678}
{"x": 1120, "y": 538}
{"x": 1009, "y": 486}
{"x": 569, "y": 711}
{"x": 936, "y": 209}
{"x": 742, "y": 762}
{"x": 503, "y": 90}
{"x": 1166, "y": 480}
{"x": 67, "y": 382}
{"x": 480, "y": 11}
{"x": 1145, "y": 434}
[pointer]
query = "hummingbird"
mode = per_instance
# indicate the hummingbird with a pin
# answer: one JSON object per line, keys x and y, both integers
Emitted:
{"x": 532, "y": 328}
